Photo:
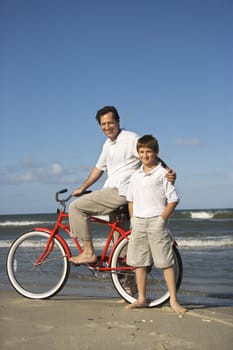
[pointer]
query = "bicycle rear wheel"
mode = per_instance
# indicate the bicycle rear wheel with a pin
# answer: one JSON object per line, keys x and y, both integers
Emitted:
{"x": 124, "y": 281}
{"x": 37, "y": 281}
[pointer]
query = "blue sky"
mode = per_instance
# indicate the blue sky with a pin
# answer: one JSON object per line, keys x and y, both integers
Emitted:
{"x": 165, "y": 64}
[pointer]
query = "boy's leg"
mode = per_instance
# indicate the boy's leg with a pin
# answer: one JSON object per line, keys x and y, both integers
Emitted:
{"x": 141, "y": 274}
{"x": 169, "y": 276}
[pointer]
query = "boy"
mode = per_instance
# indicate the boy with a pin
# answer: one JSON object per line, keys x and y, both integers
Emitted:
{"x": 151, "y": 200}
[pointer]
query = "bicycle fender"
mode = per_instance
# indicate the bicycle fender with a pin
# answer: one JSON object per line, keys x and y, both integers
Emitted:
{"x": 58, "y": 237}
{"x": 117, "y": 242}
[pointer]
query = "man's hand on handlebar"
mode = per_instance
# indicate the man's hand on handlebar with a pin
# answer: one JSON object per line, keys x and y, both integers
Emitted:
{"x": 78, "y": 191}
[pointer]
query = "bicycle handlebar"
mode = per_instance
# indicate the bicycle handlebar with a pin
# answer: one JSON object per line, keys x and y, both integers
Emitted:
{"x": 64, "y": 200}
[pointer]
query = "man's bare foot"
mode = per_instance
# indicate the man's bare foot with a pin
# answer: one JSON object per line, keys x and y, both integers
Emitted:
{"x": 83, "y": 258}
{"x": 136, "y": 305}
{"x": 176, "y": 307}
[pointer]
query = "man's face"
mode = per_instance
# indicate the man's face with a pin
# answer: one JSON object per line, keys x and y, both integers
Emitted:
{"x": 109, "y": 125}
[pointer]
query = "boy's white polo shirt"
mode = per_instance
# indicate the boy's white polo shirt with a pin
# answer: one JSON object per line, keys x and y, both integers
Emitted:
{"x": 120, "y": 159}
{"x": 150, "y": 192}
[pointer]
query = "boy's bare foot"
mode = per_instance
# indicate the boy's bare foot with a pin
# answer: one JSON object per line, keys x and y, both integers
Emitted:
{"x": 136, "y": 305}
{"x": 129, "y": 291}
{"x": 121, "y": 301}
{"x": 176, "y": 307}
{"x": 83, "y": 258}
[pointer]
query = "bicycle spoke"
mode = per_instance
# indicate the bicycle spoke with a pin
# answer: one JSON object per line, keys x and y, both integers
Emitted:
{"x": 48, "y": 260}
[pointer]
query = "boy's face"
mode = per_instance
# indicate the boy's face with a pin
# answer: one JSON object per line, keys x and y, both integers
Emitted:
{"x": 147, "y": 156}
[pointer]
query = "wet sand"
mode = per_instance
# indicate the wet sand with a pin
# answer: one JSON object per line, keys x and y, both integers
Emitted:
{"x": 77, "y": 323}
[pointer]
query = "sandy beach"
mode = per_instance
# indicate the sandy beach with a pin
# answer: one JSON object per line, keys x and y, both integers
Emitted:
{"x": 76, "y": 323}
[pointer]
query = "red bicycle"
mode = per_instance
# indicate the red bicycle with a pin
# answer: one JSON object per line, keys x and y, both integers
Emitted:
{"x": 38, "y": 261}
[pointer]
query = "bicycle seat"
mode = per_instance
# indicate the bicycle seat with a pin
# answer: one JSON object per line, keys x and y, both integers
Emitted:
{"x": 122, "y": 213}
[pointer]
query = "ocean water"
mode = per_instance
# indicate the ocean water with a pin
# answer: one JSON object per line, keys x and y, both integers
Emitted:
{"x": 205, "y": 242}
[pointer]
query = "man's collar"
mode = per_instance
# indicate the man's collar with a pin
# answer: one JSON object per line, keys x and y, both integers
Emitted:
{"x": 117, "y": 137}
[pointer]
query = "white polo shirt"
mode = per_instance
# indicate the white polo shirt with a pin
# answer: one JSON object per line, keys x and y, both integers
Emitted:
{"x": 150, "y": 192}
{"x": 120, "y": 159}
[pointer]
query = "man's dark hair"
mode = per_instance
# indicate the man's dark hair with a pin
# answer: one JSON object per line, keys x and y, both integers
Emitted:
{"x": 106, "y": 110}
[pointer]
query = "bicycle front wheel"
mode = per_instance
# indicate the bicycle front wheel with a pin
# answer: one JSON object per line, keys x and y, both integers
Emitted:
{"x": 32, "y": 280}
{"x": 124, "y": 280}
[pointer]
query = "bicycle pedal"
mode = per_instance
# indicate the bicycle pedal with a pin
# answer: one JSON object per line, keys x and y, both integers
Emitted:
{"x": 90, "y": 266}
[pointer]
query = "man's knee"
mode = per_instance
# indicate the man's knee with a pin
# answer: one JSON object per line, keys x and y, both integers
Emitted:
{"x": 72, "y": 207}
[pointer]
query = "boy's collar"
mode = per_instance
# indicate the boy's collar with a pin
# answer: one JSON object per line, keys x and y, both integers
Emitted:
{"x": 150, "y": 171}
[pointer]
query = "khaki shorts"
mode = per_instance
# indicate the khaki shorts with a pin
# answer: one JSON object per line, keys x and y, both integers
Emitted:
{"x": 150, "y": 239}
{"x": 99, "y": 202}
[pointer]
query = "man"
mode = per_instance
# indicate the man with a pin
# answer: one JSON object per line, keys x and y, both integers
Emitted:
{"x": 119, "y": 158}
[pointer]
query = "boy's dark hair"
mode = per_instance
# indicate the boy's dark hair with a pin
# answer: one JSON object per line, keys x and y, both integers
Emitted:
{"x": 148, "y": 141}
{"x": 106, "y": 110}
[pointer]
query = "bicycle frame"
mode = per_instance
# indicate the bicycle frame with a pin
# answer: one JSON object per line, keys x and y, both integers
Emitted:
{"x": 102, "y": 259}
